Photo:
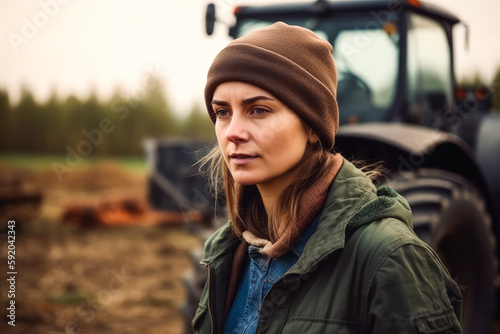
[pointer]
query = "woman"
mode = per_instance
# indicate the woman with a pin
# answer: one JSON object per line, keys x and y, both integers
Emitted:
{"x": 312, "y": 246}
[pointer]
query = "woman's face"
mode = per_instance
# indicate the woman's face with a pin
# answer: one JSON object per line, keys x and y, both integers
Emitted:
{"x": 262, "y": 140}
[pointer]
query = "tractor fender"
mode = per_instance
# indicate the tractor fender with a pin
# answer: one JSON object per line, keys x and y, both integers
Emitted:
{"x": 404, "y": 148}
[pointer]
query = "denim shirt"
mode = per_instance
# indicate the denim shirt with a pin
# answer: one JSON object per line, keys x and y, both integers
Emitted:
{"x": 258, "y": 276}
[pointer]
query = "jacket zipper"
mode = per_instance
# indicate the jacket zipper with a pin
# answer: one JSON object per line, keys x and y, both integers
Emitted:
{"x": 211, "y": 297}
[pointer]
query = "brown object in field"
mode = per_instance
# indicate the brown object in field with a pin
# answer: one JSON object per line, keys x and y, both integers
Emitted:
{"x": 125, "y": 212}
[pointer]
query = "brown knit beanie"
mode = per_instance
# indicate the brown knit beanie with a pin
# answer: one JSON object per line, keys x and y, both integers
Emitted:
{"x": 291, "y": 63}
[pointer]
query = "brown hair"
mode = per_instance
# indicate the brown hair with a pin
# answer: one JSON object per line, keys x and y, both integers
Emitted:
{"x": 248, "y": 213}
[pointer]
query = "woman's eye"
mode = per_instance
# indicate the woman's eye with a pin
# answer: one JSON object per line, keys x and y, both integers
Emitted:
{"x": 221, "y": 113}
{"x": 260, "y": 111}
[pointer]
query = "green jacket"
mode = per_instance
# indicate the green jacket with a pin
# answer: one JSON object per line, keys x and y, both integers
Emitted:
{"x": 363, "y": 271}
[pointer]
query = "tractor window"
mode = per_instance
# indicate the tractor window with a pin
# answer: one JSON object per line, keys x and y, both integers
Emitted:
{"x": 367, "y": 66}
{"x": 366, "y": 53}
{"x": 429, "y": 71}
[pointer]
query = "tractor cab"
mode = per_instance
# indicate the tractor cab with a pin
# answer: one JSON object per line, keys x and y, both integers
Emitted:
{"x": 394, "y": 58}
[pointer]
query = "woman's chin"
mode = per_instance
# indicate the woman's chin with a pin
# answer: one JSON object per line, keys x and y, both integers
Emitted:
{"x": 246, "y": 180}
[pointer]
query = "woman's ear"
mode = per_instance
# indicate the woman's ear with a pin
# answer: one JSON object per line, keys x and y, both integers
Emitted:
{"x": 313, "y": 137}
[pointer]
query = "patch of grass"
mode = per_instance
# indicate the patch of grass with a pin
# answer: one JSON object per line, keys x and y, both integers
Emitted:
{"x": 136, "y": 165}
{"x": 36, "y": 162}
{"x": 28, "y": 161}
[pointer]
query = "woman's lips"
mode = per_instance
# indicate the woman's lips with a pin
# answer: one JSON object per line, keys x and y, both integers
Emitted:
{"x": 242, "y": 159}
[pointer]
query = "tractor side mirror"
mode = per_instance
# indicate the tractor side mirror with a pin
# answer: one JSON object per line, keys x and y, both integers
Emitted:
{"x": 210, "y": 19}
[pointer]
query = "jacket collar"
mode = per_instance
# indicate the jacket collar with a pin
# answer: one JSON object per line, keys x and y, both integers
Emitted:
{"x": 353, "y": 201}
{"x": 222, "y": 242}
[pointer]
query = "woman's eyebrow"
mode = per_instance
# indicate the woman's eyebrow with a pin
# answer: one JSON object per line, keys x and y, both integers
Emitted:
{"x": 220, "y": 103}
{"x": 255, "y": 99}
{"x": 245, "y": 101}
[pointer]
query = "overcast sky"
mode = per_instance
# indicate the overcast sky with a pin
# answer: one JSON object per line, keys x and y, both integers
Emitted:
{"x": 74, "y": 45}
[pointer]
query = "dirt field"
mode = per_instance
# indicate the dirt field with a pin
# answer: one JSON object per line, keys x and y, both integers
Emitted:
{"x": 105, "y": 279}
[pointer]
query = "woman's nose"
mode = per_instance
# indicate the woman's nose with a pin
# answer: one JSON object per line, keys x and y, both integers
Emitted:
{"x": 237, "y": 130}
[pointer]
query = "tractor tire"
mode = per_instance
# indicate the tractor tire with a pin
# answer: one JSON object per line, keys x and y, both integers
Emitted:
{"x": 450, "y": 215}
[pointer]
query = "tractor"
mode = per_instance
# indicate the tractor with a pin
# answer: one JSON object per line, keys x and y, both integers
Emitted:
{"x": 400, "y": 104}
